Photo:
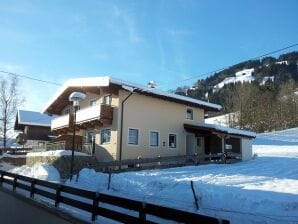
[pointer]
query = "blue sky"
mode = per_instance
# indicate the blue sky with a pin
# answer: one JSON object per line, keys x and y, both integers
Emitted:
{"x": 162, "y": 40}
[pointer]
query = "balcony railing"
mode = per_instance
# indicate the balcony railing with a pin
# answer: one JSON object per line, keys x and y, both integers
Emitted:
{"x": 88, "y": 114}
{"x": 104, "y": 113}
{"x": 61, "y": 122}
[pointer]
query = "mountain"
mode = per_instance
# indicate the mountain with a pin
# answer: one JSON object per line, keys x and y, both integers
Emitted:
{"x": 263, "y": 92}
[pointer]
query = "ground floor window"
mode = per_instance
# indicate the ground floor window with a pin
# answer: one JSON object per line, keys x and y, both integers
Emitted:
{"x": 172, "y": 140}
{"x": 105, "y": 136}
{"x": 133, "y": 136}
{"x": 154, "y": 138}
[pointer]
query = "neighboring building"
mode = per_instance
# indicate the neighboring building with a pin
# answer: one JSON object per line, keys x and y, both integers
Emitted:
{"x": 36, "y": 126}
{"x": 128, "y": 121}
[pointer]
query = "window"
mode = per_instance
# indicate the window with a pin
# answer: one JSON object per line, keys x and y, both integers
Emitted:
{"x": 107, "y": 100}
{"x": 133, "y": 136}
{"x": 154, "y": 138}
{"x": 172, "y": 140}
{"x": 189, "y": 114}
{"x": 105, "y": 136}
{"x": 90, "y": 136}
{"x": 93, "y": 103}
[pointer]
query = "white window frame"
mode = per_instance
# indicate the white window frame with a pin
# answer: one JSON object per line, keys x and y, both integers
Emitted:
{"x": 192, "y": 114}
{"x": 105, "y": 129}
{"x": 138, "y": 139}
{"x": 158, "y": 140}
{"x": 172, "y": 133}
{"x": 110, "y": 99}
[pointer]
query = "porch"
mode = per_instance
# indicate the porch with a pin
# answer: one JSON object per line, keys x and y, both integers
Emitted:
{"x": 216, "y": 143}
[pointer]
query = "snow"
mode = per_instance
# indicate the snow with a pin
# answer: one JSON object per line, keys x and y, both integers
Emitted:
{"x": 242, "y": 76}
{"x": 265, "y": 79}
{"x": 26, "y": 117}
{"x": 262, "y": 190}
{"x": 225, "y": 129}
{"x": 40, "y": 171}
{"x": 56, "y": 153}
{"x": 223, "y": 120}
{"x": 106, "y": 81}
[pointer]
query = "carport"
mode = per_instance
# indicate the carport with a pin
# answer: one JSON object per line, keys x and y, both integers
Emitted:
{"x": 211, "y": 141}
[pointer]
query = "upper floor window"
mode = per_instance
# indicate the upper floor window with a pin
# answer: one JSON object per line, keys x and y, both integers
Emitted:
{"x": 107, "y": 99}
{"x": 189, "y": 114}
{"x": 154, "y": 138}
{"x": 133, "y": 136}
{"x": 172, "y": 141}
{"x": 93, "y": 103}
{"x": 105, "y": 136}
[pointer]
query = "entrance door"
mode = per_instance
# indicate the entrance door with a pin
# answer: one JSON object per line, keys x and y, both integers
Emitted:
{"x": 190, "y": 144}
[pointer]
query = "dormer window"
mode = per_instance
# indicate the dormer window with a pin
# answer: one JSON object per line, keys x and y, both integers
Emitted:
{"x": 189, "y": 114}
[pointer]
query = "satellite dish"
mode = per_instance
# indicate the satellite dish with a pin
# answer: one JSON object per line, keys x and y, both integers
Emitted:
{"x": 21, "y": 139}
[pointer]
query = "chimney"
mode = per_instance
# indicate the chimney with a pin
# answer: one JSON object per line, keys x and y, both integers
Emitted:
{"x": 152, "y": 84}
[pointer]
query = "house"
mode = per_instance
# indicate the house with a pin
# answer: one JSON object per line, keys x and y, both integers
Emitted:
{"x": 36, "y": 127}
{"x": 128, "y": 121}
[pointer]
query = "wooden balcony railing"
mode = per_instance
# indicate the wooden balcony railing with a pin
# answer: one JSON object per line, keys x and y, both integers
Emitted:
{"x": 100, "y": 113}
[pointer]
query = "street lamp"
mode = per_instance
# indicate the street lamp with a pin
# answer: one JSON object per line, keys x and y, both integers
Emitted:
{"x": 76, "y": 98}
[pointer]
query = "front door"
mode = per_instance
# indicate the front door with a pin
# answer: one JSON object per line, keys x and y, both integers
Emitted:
{"x": 190, "y": 144}
{"x": 194, "y": 145}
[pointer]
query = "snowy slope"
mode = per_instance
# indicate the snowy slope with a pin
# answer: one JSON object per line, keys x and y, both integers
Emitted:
{"x": 242, "y": 76}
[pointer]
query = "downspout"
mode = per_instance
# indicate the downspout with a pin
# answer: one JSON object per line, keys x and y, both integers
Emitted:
{"x": 121, "y": 127}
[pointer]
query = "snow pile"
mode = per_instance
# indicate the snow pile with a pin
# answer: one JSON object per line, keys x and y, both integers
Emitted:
{"x": 90, "y": 180}
{"x": 56, "y": 153}
{"x": 40, "y": 171}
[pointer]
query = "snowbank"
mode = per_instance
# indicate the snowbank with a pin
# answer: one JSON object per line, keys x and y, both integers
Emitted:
{"x": 56, "y": 153}
{"x": 40, "y": 171}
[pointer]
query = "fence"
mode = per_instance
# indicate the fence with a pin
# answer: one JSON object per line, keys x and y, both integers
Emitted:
{"x": 164, "y": 162}
{"x": 101, "y": 204}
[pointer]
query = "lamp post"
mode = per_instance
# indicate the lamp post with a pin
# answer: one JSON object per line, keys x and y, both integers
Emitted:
{"x": 76, "y": 98}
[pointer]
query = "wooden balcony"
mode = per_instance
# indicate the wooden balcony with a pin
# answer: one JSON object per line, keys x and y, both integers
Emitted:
{"x": 85, "y": 118}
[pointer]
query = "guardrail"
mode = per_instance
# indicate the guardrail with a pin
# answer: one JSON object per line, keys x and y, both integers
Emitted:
{"x": 111, "y": 203}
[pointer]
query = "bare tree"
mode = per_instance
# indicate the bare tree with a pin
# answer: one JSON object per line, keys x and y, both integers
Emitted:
{"x": 10, "y": 100}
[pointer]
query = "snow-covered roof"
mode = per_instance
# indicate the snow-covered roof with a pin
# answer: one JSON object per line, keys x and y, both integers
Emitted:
{"x": 221, "y": 129}
{"x": 104, "y": 81}
{"x": 25, "y": 117}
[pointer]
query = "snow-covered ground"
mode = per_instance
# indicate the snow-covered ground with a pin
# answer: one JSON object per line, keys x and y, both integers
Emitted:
{"x": 40, "y": 171}
{"x": 263, "y": 190}
{"x": 56, "y": 153}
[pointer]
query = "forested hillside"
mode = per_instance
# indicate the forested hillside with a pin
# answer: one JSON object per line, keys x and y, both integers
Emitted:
{"x": 265, "y": 92}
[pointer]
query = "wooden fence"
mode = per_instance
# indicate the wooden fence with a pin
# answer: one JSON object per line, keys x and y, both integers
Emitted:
{"x": 102, "y": 204}
{"x": 164, "y": 162}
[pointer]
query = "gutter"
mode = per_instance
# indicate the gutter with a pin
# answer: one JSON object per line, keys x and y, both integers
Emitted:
{"x": 121, "y": 128}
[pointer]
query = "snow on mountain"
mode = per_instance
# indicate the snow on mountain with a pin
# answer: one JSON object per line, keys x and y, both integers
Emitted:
{"x": 265, "y": 79}
{"x": 226, "y": 120}
{"x": 245, "y": 75}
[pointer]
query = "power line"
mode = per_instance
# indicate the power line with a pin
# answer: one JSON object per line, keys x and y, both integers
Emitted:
{"x": 223, "y": 68}
{"x": 31, "y": 78}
